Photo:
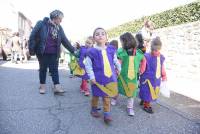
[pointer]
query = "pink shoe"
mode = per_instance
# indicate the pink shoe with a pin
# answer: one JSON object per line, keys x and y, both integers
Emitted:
{"x": 87, "y": 93}
{"x": 82, "y": 91}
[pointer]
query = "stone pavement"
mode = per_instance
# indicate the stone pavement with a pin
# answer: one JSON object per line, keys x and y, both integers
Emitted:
{"x": 24, "y": 111}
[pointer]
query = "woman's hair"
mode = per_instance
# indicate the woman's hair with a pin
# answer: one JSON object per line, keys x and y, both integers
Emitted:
{"x": 55, "y": 14}
{"x": 128, "y": 41}
{"x": 156, "y": 44}
{"x": 98, "y": 29}
{"x": 114, "y": 43}
{"x": 149, "y": 24}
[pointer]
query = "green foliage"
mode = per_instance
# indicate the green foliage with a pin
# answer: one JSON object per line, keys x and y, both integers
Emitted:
{"x": 179, "y": 15}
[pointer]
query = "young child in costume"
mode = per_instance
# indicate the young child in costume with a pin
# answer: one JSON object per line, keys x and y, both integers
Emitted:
{"x": 115, "y": 44}
{"x": 128, "y": 79}
{"x": 152, "y": 71}
{"x": 82, "y": 55}
{"x": 73, "y": 60}
{"x": 99, "y": 65}
{"x": 141, "y": 44}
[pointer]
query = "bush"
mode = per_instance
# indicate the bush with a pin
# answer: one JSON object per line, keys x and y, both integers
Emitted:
{"x": 179, "y": 15}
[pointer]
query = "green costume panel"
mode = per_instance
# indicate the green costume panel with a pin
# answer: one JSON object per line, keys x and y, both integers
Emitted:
{"x": 127, "y": 81}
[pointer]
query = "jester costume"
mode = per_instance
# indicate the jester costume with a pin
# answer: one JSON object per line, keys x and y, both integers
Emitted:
{"x": 103, "y": 68}
{"x": 127, "y": 80}
{"x": 150, "y": 80}
{"x": 102, "y": 64}
{"x": 71, "y": 63}
{"x": 84, "y": 85}
{"x": 82, "y": 55}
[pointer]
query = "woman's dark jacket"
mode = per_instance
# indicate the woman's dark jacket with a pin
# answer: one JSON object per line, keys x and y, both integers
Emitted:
{"x": 38, "y": 38}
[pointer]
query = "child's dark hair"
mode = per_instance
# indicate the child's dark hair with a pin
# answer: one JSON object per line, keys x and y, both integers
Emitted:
{"x": 156, "y": 44}
{"x": 114, "y": 43}
{"x": 140, "y": 42}
{"x": 128, "y": 41}
{"x": 139, "y": 39}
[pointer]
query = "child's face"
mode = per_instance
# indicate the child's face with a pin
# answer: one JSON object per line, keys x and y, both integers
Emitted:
{"x": 89, "y": 43}
{"x": 100, "y": 37}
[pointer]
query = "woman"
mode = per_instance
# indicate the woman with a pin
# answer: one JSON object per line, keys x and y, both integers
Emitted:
{"x": 45, "y": 40}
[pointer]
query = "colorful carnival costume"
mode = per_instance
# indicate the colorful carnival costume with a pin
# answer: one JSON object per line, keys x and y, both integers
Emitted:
{"x": 84, "y": 85}
{"x": 100, "y": 66}
{"x": 127, "y": 80}
{"x": 150, "y": 80}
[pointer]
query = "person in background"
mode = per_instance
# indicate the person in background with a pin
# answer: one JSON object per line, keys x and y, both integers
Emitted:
{"x": 114, "y": 43}
{"x": 147, "y": 33}
{"x": 83, "y": 51}
{"x": 16, "y": 48}
{"x": 45, "y": 41}
{"x": 24, "y": 49}
{"x": 140, "y": 42}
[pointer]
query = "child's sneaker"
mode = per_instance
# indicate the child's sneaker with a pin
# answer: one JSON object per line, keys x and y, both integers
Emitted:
{"x": 113, "y": 102}
{"x": 71, "y": 76}
{"x": 130, "y": 111}
{"x": 87, "y": 93}
{"x": 81, "y": 90}
{"x": 148, "y": 110}
{"x": 94, "y": 112}
{"x": 107, "y": 117}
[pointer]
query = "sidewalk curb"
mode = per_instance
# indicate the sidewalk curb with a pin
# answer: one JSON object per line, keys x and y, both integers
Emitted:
{"x": 185, "y": 115}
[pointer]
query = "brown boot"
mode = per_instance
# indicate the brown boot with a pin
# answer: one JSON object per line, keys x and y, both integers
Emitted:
{"x": 57, "y": 89}
{"x": 42, "y": 89}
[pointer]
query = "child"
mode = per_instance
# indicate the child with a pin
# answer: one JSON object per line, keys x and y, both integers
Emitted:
{"x": 83, "y": 50}
{"x": 114, "y": 99}
{"x": 141, "y": 44}
{"x": 72, "y": 61}
{"x": 152, "y": 71}
{"x": 114, "y": 43}
{"x": 99, "y": 65}
{"x": 131, "y": 58}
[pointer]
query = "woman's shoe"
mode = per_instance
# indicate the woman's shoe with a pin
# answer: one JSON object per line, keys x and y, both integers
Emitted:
{"x": 42, "y": 89}
{"x": 57, "y": 89}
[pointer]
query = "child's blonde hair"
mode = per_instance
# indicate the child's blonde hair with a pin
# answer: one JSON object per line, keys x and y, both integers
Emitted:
{"x": 156, "y": 44}
{"x": 89, "y": 40}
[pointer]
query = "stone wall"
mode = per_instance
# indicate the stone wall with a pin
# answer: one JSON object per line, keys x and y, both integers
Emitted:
{"x": 181, "y": 47}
